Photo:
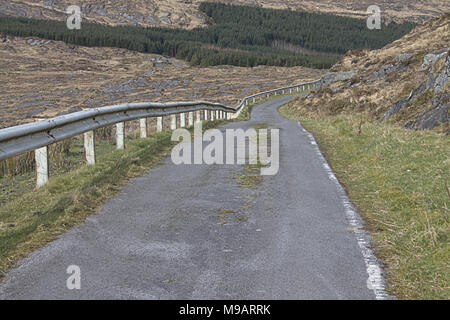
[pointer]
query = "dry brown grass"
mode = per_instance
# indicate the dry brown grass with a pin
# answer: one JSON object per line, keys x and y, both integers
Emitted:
{"x": 375, "y": 98}
{"x": 43, "y": 80}
{"x": 185, "y": 13}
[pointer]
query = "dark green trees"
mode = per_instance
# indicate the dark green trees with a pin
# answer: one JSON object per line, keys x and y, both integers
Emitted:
{"x": 242, "y": 36}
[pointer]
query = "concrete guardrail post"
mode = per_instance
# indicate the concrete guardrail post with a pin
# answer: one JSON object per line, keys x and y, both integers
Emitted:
{"x": 198, "y": 117}
{"x": 89, "y": 147}
{"x": 143, "y": 128}
{"x": 206, "y": 115}
{"x": 120, "y": 135}
{"x": 191, "y": 119}
{"x": 41, "y": 157}
{"x": 182, "y": 120}
{"x": 173, "y": 121}
{"x": 159, "y": 124}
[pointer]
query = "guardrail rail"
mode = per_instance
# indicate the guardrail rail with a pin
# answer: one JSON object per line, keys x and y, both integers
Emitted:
{"x": 37, "y": 136}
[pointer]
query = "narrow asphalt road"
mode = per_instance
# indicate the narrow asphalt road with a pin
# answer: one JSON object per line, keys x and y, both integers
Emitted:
{"x": 192, "y": 232}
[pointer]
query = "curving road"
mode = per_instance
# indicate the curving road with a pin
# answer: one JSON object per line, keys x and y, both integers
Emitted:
{"x": 192, "y": 232}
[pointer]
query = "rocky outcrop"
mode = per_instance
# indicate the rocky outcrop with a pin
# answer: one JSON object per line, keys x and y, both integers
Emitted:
{"x": 431, "y": 58}
{"x": 402, "y": 57}
{"x": 416, "y": 93}
{"x": 386, "y": 70}
{"x": 436, "y": 115}
{"x": 444, "y": 76}
{"x": 436, "y": 82}
{"x": 332, "y": 77}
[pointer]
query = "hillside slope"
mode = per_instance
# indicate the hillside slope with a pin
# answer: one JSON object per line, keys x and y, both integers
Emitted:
{"x": 406, "y": 82}
{"x": 185, "y": 13}
{"x": 96, "y": 77}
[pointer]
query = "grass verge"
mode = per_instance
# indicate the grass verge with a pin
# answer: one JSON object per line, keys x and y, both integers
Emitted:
{"x": 399, "y": 180}
{"x": 35, "y": 217}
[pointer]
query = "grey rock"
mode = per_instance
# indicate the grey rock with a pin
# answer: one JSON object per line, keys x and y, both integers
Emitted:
{"x": 404, "y": 56}
{"x": 33, "y": 42}
{"x": 32, "y": 113}
{"x": 127, "y": 16}
{"x": 443, "y": 77}
{"x": 433, "y": 117}
{"x": 396, "y": 107}
{"x": 100, "y": 11}
{"x": 166, "y": 20}
{"x": 332, "y": 77}
{"x": 385, "y": 70}
{"x": 410, "y": 99}
{"x": 152, "y": 19}
{"x": 162, "y": 60}
{"x": 427, "y": 119}
{"x": 431, "y": 58}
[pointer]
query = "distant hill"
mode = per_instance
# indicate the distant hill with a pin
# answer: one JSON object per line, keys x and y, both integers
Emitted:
{"x": 241, "y": 36}
{"x": 43, "y": 78}
{"x": 185, "y": 13}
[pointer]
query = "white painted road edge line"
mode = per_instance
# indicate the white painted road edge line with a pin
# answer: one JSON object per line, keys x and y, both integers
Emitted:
{"x": 375, "y": 281}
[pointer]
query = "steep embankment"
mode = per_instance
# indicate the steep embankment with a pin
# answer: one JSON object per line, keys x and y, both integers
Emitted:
{"x": 406, "y": 82}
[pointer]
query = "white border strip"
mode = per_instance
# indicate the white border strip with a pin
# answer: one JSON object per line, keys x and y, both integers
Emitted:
{"x": 375, "y": 281}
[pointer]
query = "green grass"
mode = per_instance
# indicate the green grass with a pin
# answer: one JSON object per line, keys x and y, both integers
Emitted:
{"x": 399, "y": 179}
{"x": 30, "y": 218}
{"x": 250, "y": 176}
{"x": 60, "y": 163}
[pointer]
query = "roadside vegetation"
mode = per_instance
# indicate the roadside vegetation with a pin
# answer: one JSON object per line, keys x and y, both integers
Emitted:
{"x": 30, "y": 218}
{"x": 238, "y": 35}
{"x": 400, "y": 181}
